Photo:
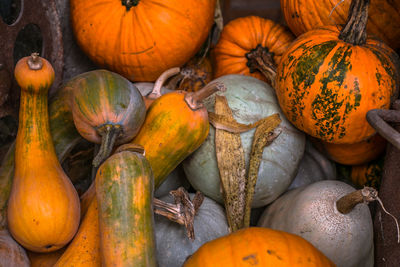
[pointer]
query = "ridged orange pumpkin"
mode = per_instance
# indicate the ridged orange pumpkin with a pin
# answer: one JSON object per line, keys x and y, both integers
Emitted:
{"x": 328, "y": 80}
{"x": 140, "y": 39}
{"x": 353, "y": 154}
{"x": 176, "y": 124}
{"x": 240, "y": 37}
{"x": 305, "y": 15}
{"x": 256, "y": 246}
{"x": 124, "y": 193}
{"x": 43, "y": 209}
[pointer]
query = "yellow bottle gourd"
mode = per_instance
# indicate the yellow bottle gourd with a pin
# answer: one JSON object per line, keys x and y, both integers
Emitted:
{"x": 43, "y": 208}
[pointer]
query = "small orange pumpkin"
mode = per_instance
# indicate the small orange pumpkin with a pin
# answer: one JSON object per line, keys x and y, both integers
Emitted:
{"x": 241, "y": 37}
{"x": 353, "y": 154}
{"x": 43, "y": 209}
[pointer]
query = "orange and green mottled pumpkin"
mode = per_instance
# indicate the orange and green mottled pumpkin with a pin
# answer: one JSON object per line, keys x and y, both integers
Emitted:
{"x": 124, "y": 192}
{"x": 241, "y": 37}
{"x": 257, "y": 246}
{"x": 43, "y": 209}
{"x": 176, "y": 124}
{"x": 305, "y": 15}
{"x": 140, "y": 39}
{"x": 328, "y": 80}
{"x": 369, "y": 174}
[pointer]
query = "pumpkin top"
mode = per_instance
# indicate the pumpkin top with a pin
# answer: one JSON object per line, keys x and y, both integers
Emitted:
{"x": 34, "y": 74}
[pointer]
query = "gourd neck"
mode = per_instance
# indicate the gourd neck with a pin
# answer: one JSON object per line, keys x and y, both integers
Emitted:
{"x": 33, "y": 128}
{"x": 347, "y": 203}
{"x": 355, "y": 29}
{"x": 260, "y": 59}
{"x": 129, "y": 3}
{"x": 109, "y": 134}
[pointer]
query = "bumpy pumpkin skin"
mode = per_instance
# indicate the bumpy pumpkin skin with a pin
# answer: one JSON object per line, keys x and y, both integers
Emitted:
{"x": 43, "y": 209}
{"x": 354, "y": 154}
{"x": 250, "y": 100}
{"x": 143, "y": 41}
{"x": 242, "y": 35}
{"x": 124, "y": 192}
{"x": 305, "y": 15}
{"x": 310, "y": 212}
{"x": 173, "y": 245}
{"x": 171, "y": 132}
{"x": 256, "y": 246}
{"x": 325, "y": 86}
{"x": 84, "y": 250}
{"x": 102, "y": 97}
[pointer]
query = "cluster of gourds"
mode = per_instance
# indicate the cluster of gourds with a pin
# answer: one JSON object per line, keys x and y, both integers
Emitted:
{"x": 321, "y": 85}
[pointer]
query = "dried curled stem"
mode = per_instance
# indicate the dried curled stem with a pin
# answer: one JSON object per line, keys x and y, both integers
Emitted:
{"x": 183, "y": 211}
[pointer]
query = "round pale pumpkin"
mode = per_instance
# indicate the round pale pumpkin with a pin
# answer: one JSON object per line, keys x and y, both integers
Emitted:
{"x": 173, "y": 245}
{"x": 314, "y": 166}
{"x": 250, "y": 100}
{"x": 305, "y": 15}
{"x": 139, "y": 39}
{"x": 311, "y": 212}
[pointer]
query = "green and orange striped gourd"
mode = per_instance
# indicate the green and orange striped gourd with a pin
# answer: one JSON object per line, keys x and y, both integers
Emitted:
{"x": 124, "y": 193}
{"x": 176, "y": 124}
{"x": 329, "y": 78}
{"x": 107, "y": 109}
{"x": 43, "y": 209}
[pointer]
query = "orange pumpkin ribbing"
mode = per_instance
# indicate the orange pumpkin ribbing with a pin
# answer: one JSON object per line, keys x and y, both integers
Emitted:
{"x": 241, "y": 36}
{"x": 142, "y": 41}
{"x": 258, "y": 246}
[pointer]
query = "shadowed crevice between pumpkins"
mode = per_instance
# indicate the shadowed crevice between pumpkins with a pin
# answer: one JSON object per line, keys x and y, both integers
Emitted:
{"x": 238, "y": 185}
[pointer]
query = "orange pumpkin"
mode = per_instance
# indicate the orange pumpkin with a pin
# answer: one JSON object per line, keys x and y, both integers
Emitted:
{"x": 240, "y": 37}
{"x": 369, "y": 174}
{"x": 256, "y": 246}
{"x": 140, "y": 39}
{"x": 84, "y": 250}
{"x": 328, "y": 80}
{"x": 353, "y": 154}
{"x": 43, "y": 209}
{"x": 305, "y": 15}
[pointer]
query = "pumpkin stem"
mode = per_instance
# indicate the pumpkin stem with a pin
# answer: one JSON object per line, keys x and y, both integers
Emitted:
{"x": 35, "y": 62}
{"x": 183, "y": 211}
{"x": 108, "y": 133}
{"x": 346, "y": 203}
{"x": 129, "y": 3}
{"x": 194, "y": 99}
{"x": 156, "y": 93}
{"x": 262, "y": 60}
{"x": 354, "y": 31}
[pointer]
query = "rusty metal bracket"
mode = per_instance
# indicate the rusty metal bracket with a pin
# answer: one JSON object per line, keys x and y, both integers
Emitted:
{"x": 43, "y": 14}
{"x": 379, "y": 118}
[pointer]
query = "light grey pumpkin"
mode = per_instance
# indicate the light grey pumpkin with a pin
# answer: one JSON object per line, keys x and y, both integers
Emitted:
{"x": 250, "y": 100}
{"x": 310, "y": 212}
{"x": 173, "y": 181}
{"x": 11, "y": 253}
{"x": 313, "y": 167}
{"x": 173, "y": 246}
